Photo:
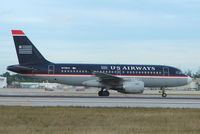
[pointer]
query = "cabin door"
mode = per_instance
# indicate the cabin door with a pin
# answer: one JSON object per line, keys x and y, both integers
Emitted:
{"x": 51, "y": 69}
{"x": 166, "y": 71}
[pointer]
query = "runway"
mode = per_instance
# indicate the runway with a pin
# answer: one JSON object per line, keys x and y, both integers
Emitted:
{"x": 89, "y": 98}
{"x": 95, "y": 101}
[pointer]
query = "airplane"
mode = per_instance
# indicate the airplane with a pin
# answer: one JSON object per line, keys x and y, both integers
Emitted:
{"x": 124, "y": 78}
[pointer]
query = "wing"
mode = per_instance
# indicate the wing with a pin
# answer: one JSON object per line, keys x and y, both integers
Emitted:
{"x": 109, "y": 80}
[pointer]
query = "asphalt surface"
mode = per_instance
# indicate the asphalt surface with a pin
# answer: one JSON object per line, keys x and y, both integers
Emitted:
{"x": 96, "y": 101}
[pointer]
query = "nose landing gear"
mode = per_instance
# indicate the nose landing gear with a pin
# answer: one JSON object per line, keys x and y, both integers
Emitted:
{"x": 164, "y": 94}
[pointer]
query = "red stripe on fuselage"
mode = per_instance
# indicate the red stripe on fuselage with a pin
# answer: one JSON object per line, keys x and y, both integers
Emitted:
{"x": 109, "y": 74}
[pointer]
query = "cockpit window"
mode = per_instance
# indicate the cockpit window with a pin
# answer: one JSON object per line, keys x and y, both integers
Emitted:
{"x": 179, "y": 72}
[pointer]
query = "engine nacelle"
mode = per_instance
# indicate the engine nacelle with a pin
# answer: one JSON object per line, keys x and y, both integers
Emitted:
{"x": 92, "y": 83}
{"x": 135, "y": 87}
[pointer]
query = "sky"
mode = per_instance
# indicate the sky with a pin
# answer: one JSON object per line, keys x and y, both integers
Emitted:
{"x": 163, "y": 32}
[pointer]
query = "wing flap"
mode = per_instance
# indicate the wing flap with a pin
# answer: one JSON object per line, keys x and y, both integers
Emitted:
{"x": 108, "y": 79}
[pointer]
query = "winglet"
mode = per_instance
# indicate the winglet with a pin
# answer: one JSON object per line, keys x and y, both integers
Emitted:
{"x": 17, "y": 33}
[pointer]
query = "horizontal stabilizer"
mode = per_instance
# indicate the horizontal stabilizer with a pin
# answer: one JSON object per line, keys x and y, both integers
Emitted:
{"x": 19, "y": 69}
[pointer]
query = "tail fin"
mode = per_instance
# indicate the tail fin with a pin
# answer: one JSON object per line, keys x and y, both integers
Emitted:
{"x": 27, "y": 53}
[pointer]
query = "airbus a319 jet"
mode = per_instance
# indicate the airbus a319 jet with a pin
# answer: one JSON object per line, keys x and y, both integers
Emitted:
{"x": 124, "y": 78}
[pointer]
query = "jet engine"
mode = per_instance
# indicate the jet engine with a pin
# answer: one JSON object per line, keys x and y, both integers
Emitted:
{"x": 92, "y": 83}
{"x": 135, "y": 87}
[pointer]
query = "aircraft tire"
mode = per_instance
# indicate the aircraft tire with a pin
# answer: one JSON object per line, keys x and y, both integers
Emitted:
{"x": 106, "y": 93}
{"x": 103, "y": 93}
{"x": 100, "y": 93}
{"x": 164, "y": 95}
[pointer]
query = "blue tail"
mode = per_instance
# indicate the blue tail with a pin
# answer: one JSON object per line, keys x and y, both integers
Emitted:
{"x": 27, "y": 53}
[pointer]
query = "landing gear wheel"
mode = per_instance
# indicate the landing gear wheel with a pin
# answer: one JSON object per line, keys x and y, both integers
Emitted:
{"x": 100, "y": 93}
{"x": 103, "y": 93}
{"x": 106, "y": 93}
{"x": 164, "y": 95}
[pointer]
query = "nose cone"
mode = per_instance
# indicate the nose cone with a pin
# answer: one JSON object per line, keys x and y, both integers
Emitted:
{"x": 189, "y": 80}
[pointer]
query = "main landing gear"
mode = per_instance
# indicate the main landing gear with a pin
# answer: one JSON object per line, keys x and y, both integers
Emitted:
{"x": 164, "y": 94}
{"x": 103, "y": 93}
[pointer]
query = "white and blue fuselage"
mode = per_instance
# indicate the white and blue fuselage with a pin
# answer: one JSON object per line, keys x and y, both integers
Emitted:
{"x": 120, "y": 77}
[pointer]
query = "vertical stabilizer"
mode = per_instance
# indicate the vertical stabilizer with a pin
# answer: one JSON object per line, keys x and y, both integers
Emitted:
{"x": 27, "y": 53}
